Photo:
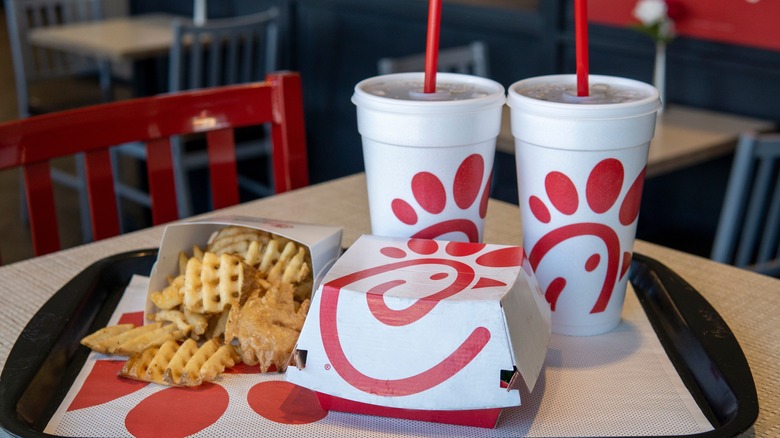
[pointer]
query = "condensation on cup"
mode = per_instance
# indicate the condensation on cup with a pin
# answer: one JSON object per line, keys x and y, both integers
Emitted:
{"x": 581, "y": 167}
{"x": 428, "y": 156}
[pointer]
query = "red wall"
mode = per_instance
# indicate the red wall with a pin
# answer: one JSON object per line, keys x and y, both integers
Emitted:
{"x": 753, "y": 23}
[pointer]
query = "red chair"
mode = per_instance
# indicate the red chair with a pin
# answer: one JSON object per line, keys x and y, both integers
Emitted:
{"x": 30, "y": 143}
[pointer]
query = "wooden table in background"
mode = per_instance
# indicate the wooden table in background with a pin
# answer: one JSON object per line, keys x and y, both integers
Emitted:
{"x": 684, "y": 137}
{"x": 139, "y": 39}
{"x": 115, "y": 39}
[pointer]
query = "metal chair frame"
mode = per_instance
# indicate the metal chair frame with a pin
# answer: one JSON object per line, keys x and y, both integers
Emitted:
{"x": 468, "y": 59}
{"x": 220, "y": 52}
{"x": 34, "y": 65}
{"x": 748, "y": 233}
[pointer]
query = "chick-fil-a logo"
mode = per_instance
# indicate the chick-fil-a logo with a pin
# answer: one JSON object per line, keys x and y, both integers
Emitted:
{"x": 602, "y": 195}
{"x": 432, "y": 200}
{"x": 465, "y": 278}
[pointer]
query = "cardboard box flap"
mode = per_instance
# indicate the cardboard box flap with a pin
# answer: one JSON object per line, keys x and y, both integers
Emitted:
{"x": 323, "y": 242}
{"x": 528, "y": 325}
{"x": 320, "y": 239}
{"x": 422, "y": 324}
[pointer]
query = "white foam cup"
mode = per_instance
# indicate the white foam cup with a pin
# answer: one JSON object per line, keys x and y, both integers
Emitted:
{"x": 581, "y": 166}
{"x": 428, "y": 157}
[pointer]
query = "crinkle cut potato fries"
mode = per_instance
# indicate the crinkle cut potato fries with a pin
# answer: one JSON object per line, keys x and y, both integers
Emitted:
{"x": 243, "y": 298}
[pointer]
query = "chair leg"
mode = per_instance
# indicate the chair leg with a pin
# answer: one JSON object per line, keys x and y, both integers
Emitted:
{"x": 76, "y": 180}
{"x": 24, "y": 216}
{"x": 729, "y": 221}
{"x": 117, "y": 182}
{"x": 104, "y": 72}
{"x": 183, "y": 198}
{"x": 83, "y": 198}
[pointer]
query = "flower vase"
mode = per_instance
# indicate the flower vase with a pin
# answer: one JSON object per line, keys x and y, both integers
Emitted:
{"x": 659, "y": 73}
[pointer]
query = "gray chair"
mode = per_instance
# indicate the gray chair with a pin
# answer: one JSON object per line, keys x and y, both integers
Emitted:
{"x": 48, "y": 80}
{"x": 469, "y": 59}
{"x": 220, "y": 52}
{"x": 35, "y": 67}
{"x": 748, "y": 230}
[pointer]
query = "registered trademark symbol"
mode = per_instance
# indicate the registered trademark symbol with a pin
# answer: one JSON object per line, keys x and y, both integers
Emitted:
{"x": 327, "y": 366}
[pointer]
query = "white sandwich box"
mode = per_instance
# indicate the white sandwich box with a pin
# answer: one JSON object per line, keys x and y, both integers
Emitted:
{"x": 323, "y": 242}
{"x": 424, "y": 329}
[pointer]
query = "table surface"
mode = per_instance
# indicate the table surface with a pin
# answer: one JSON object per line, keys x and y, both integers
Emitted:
{"x": 684, "y": 136}
{"x": 748, "y": 302}
{"x": 115, "y": 39}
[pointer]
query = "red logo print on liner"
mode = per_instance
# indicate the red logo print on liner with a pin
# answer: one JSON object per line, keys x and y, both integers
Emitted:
{"x": 270, "y": 400}
{"x": 465, "y": 277}
{"x": 431, "y": 197}
{"x": 102, "y": 385}
{"x": 286, "y": 403}
{"x": 190, "y": 410}
{"x": 602, "y": 192}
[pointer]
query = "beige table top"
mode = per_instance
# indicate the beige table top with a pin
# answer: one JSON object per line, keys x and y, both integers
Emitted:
{"x": 684, "y": 136}
{"x": 748, "y": 302}
{"x": 115, "y": 39}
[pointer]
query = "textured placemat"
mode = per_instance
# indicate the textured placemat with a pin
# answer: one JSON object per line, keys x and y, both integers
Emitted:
{"x": 620, "y": 383}
{"x": 748, "y": 302}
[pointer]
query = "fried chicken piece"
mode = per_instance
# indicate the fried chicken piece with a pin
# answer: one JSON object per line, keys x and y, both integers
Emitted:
{"x": 267, "y": 326}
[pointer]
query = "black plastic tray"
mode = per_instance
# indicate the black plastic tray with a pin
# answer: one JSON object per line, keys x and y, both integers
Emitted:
{"x": 47, "y": 356}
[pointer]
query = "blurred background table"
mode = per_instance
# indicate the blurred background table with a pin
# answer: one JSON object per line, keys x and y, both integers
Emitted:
{"x": 138, "y": 39}
{"x": 687, "y": 169}
{"x": 684, "y": 136}
{"x": 115, "y": 39}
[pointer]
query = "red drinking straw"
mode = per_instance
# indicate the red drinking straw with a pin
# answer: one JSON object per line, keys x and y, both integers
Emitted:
{"x": 581, "y": 45}
{"x": 432, "y": 46}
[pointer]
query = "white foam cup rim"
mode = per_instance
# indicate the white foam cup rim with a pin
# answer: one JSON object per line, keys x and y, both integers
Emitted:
{"x": 420, "y": 103}
{"x": 583, "y": 110}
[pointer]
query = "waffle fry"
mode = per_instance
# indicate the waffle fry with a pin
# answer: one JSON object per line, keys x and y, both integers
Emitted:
{"x": 159, "y": 363}
{"x": 170, "y": 297}
{"x": 150, "y": 338}
{"x": 180, "y": 365}
{"x": 274, "y": 257}
{"x": 99, "y": 340}
{"x": 135, "y": 367}
{"x": 291, "y": 264}
{"x": 125, "y": 339}
{"x": 236, "y": 240}
{"x": 225, "y": 357}
{"x": 216, "y": 325}
{"x": 208, "y": 362}
{"x": 220, "y": 294}
{"x": 176, "y": 317}
{"x": 216, "y": 282}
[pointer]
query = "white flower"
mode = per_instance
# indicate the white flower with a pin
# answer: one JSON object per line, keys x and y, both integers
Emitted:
{"x": 650, "y": 11}
{"x": 666, "y": 29}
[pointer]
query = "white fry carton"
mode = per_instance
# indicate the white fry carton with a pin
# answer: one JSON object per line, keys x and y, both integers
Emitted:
{"x": 323, "y": 242}
{"x": 424, "y": 329}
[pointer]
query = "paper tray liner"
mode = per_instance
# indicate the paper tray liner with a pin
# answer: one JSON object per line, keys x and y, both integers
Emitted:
{"x": 46, "y": 359}
{"x": 486, "y": 418}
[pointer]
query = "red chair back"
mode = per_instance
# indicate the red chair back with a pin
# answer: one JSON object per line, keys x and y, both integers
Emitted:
{"x": 30, "y": 143}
